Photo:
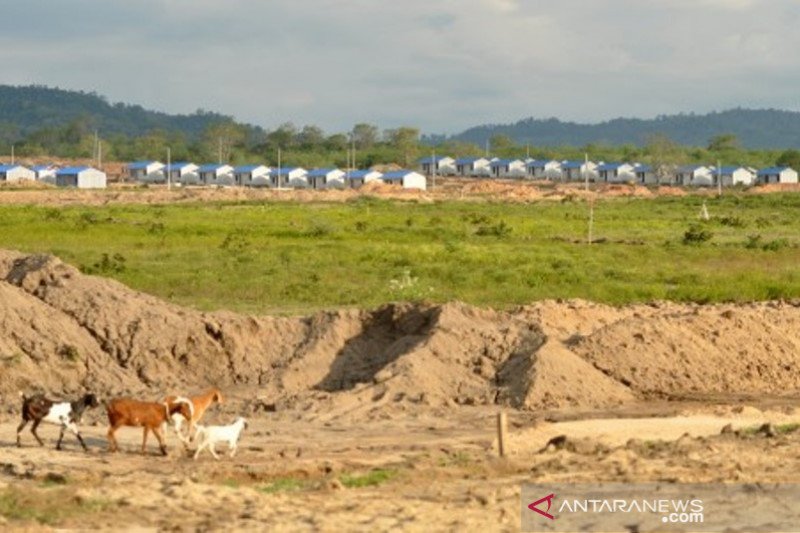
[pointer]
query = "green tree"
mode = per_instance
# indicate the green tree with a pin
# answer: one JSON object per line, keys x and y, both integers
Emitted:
{"x": 336, "y": 142}
{"x": 502, "y": 144}
{"x": 220, "y": 139}
{"x": 311, "y": 137}
{"x": 365, "y": 135}
{"x": 723, "y": 143}
{"x": 789, "y": 158}
{"x": 406, "y": 141}
{"x": 283, "y": 137}
{"x": 664, "y": 155}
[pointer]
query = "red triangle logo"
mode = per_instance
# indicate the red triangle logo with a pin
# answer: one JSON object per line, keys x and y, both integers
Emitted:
{"x": 545, "y": 513}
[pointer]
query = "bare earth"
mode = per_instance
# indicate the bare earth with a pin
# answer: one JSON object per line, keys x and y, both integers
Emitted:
{"x": 410, "y": 392}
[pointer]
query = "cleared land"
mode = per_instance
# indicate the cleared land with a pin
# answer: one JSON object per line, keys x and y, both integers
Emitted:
{"x": 382, "y": 418}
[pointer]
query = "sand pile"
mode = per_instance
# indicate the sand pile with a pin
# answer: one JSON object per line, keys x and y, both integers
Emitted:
{"x": 63, "y": 331}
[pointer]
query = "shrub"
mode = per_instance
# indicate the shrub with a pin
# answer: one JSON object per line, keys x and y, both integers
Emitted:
{"x": 501, "y": 229}
{"x": 696, "y": 235}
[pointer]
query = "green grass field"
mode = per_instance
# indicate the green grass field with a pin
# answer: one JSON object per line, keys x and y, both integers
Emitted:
{"x": 292, "y": 258}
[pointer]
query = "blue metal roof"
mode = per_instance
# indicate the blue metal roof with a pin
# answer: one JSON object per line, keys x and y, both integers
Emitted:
{"x": 180, "y": 164}
{"x": 320, "y": 172}
{"x": 541, "y": 162}
{"x": 72, "y": 170}
{"x": 772, "y": 170}
{"x": 359, "y": 174}
{"x": 396, "y": 174}
{"x": 428, "y": 160}
{"x": 728, "y": 170}
{"x": 643, "y": 169}
{"x": 502, "y": 162}
{"x": 691, "y": 168}
{"x": 6, "y": 168}
{"x": 39, "y": 168}
{"x": 210, "y": 167}
{"x": 467, "y": 160}
{"x": 283, "y": 170}
{"x": 246, "y": 168}
{"x": 610, "y": 166}
{"x": 141, "y": 165}
{"x": 572, "y": 164}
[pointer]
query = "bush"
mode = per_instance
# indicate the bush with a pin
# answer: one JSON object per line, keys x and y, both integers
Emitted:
{"x": 696, "y": 235}
{"x": 501, "y": 229}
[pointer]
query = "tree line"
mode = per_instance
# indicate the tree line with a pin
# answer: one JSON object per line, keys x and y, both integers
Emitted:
{"x": 365, "y": 145}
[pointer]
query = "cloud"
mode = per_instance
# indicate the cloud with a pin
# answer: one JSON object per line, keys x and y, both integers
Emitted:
{"x": 442, "y": 65}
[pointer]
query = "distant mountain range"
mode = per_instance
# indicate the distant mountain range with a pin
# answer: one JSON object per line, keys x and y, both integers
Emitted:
{"x": 30, "y": 108}
{"x": 24, "y": 110}
{"x": 755, "y": 128}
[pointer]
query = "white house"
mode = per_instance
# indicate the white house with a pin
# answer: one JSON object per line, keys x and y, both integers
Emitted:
{"x": 645, "y": 175}
{"x": 616, "y": 173}
{"x": 777, "y": 175}
{"x": 16, "y": 173}
{"x": 215, "y": 174}
{"x": 444, "y": 165}
{"x": 579, "y": 170}
{"x": 734, "y": 176}
{"x": 288, "y": 177}
{"x": 357, "y": 178}
{"x": 408, "y": 179}
{"x": 544, "y": 169}
{"x": 326, "y": 178}
{"x": 695, "y": 175}
{"x": 184, "y": 172}
{"x": 151, "y": 171}
{"x": 508, "y": 168}
{"x": 473, "y": 166}
{"x": 81, "y": 177}
{"x": 45, "y": 173}
{"x": 251, "y": 175}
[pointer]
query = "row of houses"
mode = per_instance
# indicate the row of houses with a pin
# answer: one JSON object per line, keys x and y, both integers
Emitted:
{"x": 188, "y": 173}
{"x": 601, "y": 172}
{"x": 81, "y": 177}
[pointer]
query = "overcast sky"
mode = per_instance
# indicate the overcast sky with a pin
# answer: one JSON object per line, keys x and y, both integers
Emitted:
{"x": 441, "y": 65}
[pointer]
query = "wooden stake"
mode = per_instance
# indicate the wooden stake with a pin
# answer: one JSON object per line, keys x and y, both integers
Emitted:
{"x": 502, "y": 433}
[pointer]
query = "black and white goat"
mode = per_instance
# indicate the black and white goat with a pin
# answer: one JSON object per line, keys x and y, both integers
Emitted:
{"x": 38, "y": 409}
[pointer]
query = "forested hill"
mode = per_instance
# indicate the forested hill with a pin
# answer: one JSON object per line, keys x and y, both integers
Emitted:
{"x": 754, "y": 128}
{"x": 24, "y": 110}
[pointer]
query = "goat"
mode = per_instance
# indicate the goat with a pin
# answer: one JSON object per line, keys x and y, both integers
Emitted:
{"x": 38, "y": 409}
{"x": 209, "y": 436}
{"x": 199, "y": 406}
{"x": 151, "y": 416}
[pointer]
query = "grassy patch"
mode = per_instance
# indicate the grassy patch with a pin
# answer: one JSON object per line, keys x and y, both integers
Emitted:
{"x": 52, "y": 508}
{"x": 286, "y": 485}
{"x": 373, "y": 478}
{"x": 286, "y": 258}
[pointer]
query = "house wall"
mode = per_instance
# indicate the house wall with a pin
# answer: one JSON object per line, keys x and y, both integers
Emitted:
{"x": 92, "y": 179}
{"x": 414, "y": 180}
{"x": 18, "y": 173}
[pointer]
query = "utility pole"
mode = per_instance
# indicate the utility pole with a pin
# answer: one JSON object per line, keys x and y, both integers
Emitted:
{"x": 169, "y": 169}
{"x": 433, "y": 170}
{"x": 99, "y": 155}
{"x": 591, "y": 220}
{"x": 586, "y": 171}
{"x": 94, "y": 150}
{"x": 278, "y": 183}
{"x": 487, "y": 148}
{"x": 719, "y": 178}
{"x": 219, "y": 139}
{"x": 12, "y": 154}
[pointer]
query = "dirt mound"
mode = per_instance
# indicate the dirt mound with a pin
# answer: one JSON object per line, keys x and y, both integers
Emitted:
{"x": 64, "y": 331}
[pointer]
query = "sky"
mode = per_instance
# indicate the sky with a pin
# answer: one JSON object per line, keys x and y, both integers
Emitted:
{"x": 439, "y": 65}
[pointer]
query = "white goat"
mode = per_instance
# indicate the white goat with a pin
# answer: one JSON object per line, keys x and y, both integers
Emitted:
{"x": 209, "y": 436}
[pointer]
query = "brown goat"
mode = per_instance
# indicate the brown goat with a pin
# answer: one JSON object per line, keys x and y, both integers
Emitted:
{"x": 151, "y": 416}
{"x": 199, "y": 406}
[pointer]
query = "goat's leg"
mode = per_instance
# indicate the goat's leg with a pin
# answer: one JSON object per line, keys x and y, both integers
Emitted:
{"x": 33, "y": 430}
{"x": 60, "y": 437}
{"x": 73, "y": 427}
{"x": 112, "y": 441}
{"x": 144, "y": 439}
{"x": 211, "y": 448}
{"x": 19, "y": 430}
{"x": 160, "y": 437}
{"x": 233, "y": 448}
{"x": 199, "y": 449}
